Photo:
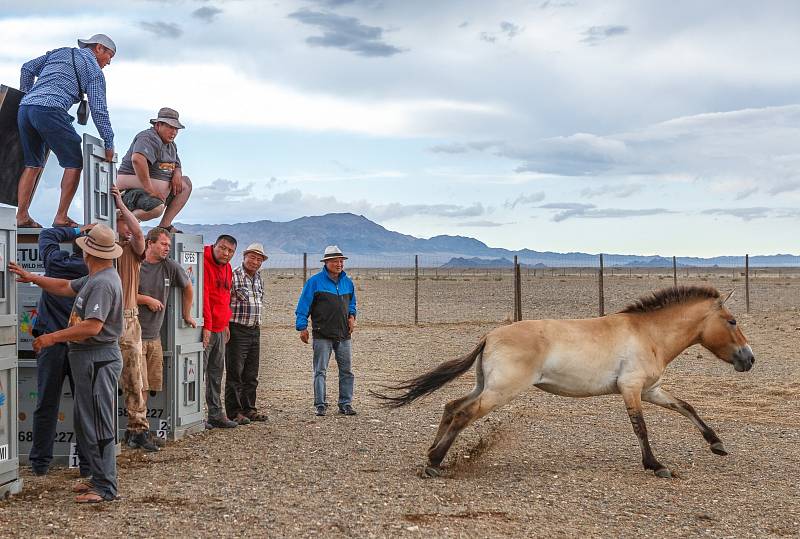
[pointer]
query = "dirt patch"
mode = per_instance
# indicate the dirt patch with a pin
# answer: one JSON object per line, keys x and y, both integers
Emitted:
{"x": 540, "y": 466}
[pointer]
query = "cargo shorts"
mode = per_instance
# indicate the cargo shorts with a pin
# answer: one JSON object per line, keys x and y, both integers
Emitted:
{"x": 153, "y": 363}
{"x": 139, "y": 199}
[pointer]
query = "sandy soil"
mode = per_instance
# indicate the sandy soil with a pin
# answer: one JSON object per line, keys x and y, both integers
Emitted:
{"x": 541, "y": 466}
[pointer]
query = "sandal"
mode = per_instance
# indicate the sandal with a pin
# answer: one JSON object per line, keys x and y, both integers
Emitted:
{"x": 30, "y": 223}
{"x": 255, "y": 416}
{"x": 171, "y": 229}
{"x": 89, "y": 496}
{"x": 81, "y": 487}
{"x": 69, "y": 223}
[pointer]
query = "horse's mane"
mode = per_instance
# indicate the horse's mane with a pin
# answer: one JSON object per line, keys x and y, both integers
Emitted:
{"x": 670, "y": 296}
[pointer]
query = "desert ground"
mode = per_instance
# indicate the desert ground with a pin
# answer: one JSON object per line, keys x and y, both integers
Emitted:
{"x": 542, "y": 466}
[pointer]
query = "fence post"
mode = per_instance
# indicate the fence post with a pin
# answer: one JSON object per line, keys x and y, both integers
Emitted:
{"x": 416, "y": 290}
{"x": 747, "y": 282}
{"x": 517, "y": 293}
{"x": 516, "y": 284}
{"x": 675, "y": 271}
{"x": 600, "y": 285}
{"x": 305, "y": 267}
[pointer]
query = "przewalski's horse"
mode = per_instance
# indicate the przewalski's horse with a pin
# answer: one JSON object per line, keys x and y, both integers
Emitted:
{"x": 623, "y": 353}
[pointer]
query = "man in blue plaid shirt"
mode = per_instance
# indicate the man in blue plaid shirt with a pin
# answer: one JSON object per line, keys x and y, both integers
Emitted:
{"x": 51, "y": 88}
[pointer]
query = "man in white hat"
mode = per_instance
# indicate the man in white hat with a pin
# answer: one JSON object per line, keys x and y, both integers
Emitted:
{"x": 330, "y": 298}
{"x": 95, "y": 326}
{"x": 242, "y": 350}
{"x": 151, "y": 174}
{"x": 52, "y": 84}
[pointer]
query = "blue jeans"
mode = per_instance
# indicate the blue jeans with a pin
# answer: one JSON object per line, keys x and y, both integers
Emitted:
{"x": 322, "y": 355}
{"x": 48, "y": 127}
{"x": 52, "y": 366}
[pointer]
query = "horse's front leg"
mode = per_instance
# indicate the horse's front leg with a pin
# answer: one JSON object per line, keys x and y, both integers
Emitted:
{"x": 665, "y": 399}
{"x": 633, "y": 404}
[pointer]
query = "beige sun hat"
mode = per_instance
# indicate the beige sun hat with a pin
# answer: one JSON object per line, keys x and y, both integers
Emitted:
{"x": 256, "y": 248}
{"x": 332, "y": 252}
{"x": 168, "y": 116}
{"x": 101, "y": 242}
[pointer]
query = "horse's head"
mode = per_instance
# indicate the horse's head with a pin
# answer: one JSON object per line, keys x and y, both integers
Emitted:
{"x": 721, "y": 335}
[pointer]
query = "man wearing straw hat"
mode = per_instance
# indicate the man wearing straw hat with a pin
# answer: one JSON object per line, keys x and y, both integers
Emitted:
{"x": 95, "y": 326}
{"x": 244, "y": 345}
{"x": 151, "y": 174}
{"x": 52, "y": 83}
{"x": 330, "y": 298}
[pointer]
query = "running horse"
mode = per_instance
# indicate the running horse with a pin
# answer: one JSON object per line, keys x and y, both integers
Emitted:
{"x": 624, "y": 353}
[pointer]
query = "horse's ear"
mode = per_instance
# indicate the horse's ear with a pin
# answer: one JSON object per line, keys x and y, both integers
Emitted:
{"x": 726, "y": 298}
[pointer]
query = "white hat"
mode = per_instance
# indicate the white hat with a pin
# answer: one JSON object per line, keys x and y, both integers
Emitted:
{"x": 332, "y": 252}
{"x": 256, "y": 248}
{"x": 102, "y": 39}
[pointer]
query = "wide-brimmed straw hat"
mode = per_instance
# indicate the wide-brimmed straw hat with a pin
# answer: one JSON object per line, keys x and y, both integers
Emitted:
{"x": 102, "y": 39}
{"x": 256, "y": 248}
{"x": 101, "y": 242}
{"x": 168, "y": 116}
{"x": 332, "y": 252}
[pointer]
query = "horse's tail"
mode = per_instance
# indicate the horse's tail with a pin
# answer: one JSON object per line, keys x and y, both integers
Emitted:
{"x": 431, "y": 380}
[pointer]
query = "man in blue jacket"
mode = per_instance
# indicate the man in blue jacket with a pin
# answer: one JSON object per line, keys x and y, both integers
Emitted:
{"x": 52, "y": 363}
{"x": 330, "y": 298}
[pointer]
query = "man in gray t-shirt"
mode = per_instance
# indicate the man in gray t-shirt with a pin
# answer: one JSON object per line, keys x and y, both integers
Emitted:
{"x": 99, "y": 296}
{"x": 151, "y": 175}
{"x": 93, "y": 332}
{"x": 156, "y": 276}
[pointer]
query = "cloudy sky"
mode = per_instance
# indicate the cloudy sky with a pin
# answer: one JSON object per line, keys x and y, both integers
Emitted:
{"x": 623, "y": 126}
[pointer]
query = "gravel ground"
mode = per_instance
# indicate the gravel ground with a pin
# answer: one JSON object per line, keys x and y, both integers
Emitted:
{"x": 541, "y": 466}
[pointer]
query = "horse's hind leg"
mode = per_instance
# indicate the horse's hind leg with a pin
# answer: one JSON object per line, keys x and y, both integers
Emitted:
{"x": 447, "y": 417}
{"x": 479, "y": 405}
{"x": 460, "y": 419}
{"x": 665, "y": 399}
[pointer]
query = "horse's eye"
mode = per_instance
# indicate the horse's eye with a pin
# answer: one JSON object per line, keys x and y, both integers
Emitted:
{"x": 732, "y": 321}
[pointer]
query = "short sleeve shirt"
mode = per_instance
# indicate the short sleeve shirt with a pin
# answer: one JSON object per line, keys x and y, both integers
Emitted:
{"x": 155, "y": 281}
{"x": 162, "y": 159}
{"x": 99, "y": 297}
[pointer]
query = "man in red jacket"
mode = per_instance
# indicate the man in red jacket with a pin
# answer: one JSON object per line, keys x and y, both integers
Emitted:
{"x": 217, "y": 277}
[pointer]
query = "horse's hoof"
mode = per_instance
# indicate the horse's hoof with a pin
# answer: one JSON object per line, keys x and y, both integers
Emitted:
{"x": 663, "y": 473}
{"x": 429, "y": 472}
{"x": 718, "y": 449}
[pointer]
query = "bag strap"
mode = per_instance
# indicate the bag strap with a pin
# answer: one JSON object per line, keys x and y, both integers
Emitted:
{"x": 77, "y": 77}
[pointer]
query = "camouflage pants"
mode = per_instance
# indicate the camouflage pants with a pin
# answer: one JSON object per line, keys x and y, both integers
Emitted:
{"x": 133, "y": 381}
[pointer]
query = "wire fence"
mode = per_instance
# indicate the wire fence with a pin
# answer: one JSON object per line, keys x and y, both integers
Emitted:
{"x": 409, "y": 289}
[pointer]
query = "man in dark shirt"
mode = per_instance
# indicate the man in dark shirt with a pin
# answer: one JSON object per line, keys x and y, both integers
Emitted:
{"x": 157, "y": 276}
{"x": 151, "y": 172}
{"x": 52, "y": 363}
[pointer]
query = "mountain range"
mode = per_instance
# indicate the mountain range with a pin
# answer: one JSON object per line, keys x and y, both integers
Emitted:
{"x": 369, "y": 244}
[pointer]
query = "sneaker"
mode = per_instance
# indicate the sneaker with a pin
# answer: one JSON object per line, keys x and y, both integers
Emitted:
{"x": 221, "y": 422}
{"x": 160, "y": 442}
{"x": 320, "y": 409}
{"x": 346, "y": 409}
{"x": 140, "y": 440}
{"x": 241, "y": 420}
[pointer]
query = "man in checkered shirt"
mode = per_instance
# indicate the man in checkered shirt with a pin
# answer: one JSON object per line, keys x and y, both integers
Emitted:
{"x": 51, "y": 89}
{"x": 242, "y": 350}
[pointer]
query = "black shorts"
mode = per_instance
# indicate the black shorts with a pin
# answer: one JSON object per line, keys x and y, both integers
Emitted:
{"x": 139, "y": 199}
